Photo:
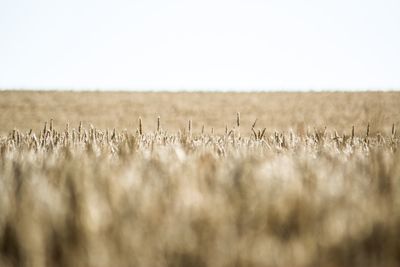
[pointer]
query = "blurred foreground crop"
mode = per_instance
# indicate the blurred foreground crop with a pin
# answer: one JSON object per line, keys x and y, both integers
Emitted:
{"x": 89, "y": 197}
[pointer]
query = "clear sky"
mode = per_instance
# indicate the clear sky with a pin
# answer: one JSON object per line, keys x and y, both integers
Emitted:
{"x": 207, "y": 44}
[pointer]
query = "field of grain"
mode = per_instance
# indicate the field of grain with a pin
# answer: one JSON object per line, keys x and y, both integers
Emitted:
{"x": 134, "y": 179}
{"x": 275, "y": 111}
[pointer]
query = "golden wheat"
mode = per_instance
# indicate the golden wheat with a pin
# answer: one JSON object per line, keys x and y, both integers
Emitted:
{"x": 126, "y": 198}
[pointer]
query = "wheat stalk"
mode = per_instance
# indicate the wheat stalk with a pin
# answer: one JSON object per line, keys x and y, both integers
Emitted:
{"x": 140, "y": 126}
{"x": 393, "y": 131}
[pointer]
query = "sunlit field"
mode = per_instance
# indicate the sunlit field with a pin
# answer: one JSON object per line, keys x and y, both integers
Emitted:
{"x": 201, "y": 179}
{"x": 275, "y": 111}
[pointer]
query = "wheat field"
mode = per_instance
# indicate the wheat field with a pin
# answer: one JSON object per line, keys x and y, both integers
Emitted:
{"x": 275, "y": 111}
{"x": 201, "y": 179}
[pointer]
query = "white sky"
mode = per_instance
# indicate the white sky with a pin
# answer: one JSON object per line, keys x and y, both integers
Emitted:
{"x": 207, "y": 44}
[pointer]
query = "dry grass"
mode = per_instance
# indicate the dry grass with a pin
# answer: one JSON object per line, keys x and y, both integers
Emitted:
{"x": 275, "y": 111}
{"x": 76, "y": 195}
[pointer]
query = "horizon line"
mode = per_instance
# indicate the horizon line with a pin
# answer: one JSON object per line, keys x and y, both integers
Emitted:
{"x": 202, "y": 90}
